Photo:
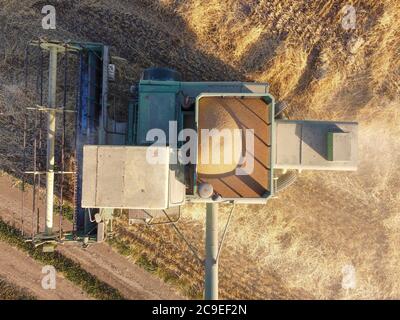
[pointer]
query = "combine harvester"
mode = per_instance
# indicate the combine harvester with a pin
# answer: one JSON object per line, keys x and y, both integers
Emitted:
{"x": 178, "y": 142}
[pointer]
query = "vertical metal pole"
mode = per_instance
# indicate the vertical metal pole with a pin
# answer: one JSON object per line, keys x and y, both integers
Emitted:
{"x": 34, "y": 176}
{"x": 51, "y": 129}
{"x": 104, "y": 99}
{"x": 23, "y": 176}
{"x": 77, "y": 155}
{"x": 38, "y": 161}
{"x": 211, "y": 263}
{"x": 63, "y": 142}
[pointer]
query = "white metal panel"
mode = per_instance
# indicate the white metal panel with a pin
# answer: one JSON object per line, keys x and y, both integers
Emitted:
{"x": 341, "y": 146}
{"x": 288, "y": 143}
{"x": 122, "y": 177}
{"x": 89, "y": 180}
{"x": 303, "y": 145}
{"x": 146, "y": 184}
{"x": 313, "y": 145}
{"x": 110, "y": 177}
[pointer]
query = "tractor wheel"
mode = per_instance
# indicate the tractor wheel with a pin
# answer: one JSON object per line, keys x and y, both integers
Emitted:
{"x": 161, "y": 74}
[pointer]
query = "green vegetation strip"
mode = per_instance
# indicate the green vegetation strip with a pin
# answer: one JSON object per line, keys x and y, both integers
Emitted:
{"x": 70, "y": 269}
{"x": 8, "y": 291}
{"x": 143, "y": 261}
{"x": 138, "y": 254}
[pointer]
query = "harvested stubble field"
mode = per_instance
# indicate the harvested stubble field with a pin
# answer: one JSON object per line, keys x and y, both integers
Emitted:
{"x": 297, "y": 245}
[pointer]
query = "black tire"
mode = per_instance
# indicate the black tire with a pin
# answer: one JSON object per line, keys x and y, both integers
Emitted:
{"x": 161, "y": 74}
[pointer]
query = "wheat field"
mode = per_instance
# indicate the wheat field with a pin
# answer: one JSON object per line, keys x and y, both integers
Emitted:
{"x": 299, "y": 244}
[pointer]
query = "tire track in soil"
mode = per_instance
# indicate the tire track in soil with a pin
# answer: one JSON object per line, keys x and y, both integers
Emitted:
{"x": 21, "y": 270}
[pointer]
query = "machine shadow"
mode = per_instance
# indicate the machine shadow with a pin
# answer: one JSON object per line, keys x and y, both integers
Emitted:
{"x": 146, "y": 38}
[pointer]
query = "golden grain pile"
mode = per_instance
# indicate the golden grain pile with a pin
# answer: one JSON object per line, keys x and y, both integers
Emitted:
{"x": 300, "y": 244}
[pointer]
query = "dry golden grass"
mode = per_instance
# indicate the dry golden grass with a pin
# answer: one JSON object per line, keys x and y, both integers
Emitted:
{"x": 326, "y": 220}
{"x": 297, "y": 245}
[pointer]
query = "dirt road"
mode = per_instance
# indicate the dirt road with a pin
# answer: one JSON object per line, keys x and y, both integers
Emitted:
{"x": 100, "y": 260}
{"x": 18, "y": 268}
